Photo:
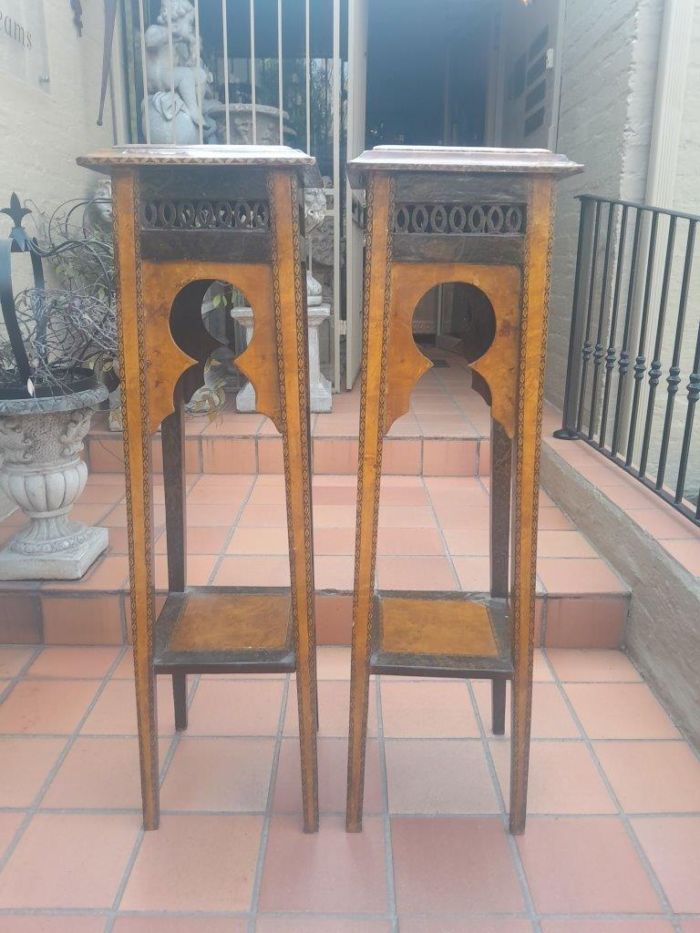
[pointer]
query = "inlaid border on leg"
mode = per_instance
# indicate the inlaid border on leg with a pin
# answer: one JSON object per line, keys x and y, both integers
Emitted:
{"x": 293, "y": 366}
{"x": 374, "y": 368}
{"x": 533, "y": 341}
{"x": 139, "y": 495}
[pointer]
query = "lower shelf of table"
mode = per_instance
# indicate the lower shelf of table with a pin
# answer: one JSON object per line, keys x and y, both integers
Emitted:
{"x": 441, "y": 635}
{"x": 226, "y": 629}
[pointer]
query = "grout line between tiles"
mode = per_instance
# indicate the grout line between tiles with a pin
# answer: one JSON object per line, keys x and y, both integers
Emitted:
{"x": 70, "y": 740}
{"x": 267, "y": 818}
{"x": 162, "y": 771}
{"x": 121, "y": 887}
{"x": 386, "y": 815}
{"x": 99, "y": 913}
{"x": 683, "y": 736}
{"x": 232, "y": 530}
{"x": 512, "y": 845}
{"x": 621, "y": 813}
{"x": 443, "y": 539}
{"x": 561, "y": 740}
{"x": 35, "y": 651}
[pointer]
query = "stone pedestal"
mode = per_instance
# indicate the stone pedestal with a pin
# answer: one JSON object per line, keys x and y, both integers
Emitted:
{"x": 245, "y": 397}
{"x": 42, "y": 473}
{"x": 320, "y": 390}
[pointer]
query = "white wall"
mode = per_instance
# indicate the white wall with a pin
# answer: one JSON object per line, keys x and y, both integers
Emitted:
{"x": 686, "y": 197}
{"x": 687, "y": 183}
{"x": 609, "y": 54}
{"x": 610, "y": 70}
{"x": 42, "y": 133}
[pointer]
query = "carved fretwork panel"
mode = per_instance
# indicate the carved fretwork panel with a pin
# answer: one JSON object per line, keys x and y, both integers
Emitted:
{"x": 205, "y": 214}
{"x": 166, "y": 360}
{"x": 225, "y": 214}
{"x": 460, "y": 219}
{"x": 497, "y": 366}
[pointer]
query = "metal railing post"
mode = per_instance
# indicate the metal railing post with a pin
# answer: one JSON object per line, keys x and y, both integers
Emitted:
{"x": 568, "y": 431}
{"x": 588, "y": 410}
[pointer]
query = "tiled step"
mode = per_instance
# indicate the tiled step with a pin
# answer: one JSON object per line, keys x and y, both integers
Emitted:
{"x": 218, "y": 448}
{"x": 433, "y": 535}
{"x": 446, "y": 433}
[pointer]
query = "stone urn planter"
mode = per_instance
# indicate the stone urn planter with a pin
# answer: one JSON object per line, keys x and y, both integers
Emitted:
{"x": 42, "y": 472}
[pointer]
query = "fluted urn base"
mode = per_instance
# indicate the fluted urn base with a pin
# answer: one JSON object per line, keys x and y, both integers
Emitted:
{"x": 42, "y": 472}
{"x": 58, "y": 563}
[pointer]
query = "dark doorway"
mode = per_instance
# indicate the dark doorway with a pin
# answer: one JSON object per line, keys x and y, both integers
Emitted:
{"x": 427, "y": 71}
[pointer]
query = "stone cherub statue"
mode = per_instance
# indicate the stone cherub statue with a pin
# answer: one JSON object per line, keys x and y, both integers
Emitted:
{"x": 177, "y": 81}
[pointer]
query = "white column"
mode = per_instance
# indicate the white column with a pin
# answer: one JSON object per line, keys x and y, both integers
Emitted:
{"x": 320, "y": 389}
{"x": 245, "y": 398}
{"x": 672, "y": 70}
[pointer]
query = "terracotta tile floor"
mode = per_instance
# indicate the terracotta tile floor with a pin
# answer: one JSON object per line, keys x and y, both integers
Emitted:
{"x": 612, "y": 843}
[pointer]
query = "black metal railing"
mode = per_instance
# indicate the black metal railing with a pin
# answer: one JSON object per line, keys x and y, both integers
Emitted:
{"x": 636, "y": 320}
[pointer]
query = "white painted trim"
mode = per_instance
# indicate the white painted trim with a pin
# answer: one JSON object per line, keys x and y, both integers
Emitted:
{"x": 307, "y": 71}
{"x": 355, "y": 137}
{"x": 198, "y": 88}
{"x": 224, "y": 31}
{"x": 669, "y": 98}
{"x": 493, "y": 128}
{"x": 337, "y": 65}
{"x": 558, "y": 46}
{"x": 253, "y": 70}
{"x": 280, "y": 72}
{"x": 142, "y": 37}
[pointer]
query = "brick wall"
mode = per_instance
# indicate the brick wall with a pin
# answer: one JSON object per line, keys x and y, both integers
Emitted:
{"x": 608, "y": 76}
{"x": 42, "y": 133}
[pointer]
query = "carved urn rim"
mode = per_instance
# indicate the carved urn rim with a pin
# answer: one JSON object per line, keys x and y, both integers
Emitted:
{"x": 85, "y": 398}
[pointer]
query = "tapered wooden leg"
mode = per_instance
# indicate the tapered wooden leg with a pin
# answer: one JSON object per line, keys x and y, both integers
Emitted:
{"x": 293, "y": 366}
{"x": 306, "y": 704}
{"x": 315, "y": 684}
{"x": 180, "y": 700}
{"x": 374, "y": 336}
{"x": 175, "y": 484}
{"x": 523, "y": 617}
{"x": 501, "y": 469}
{"x": 498, "y": 705}
{"x": 368, "y": 481}
{"x": 137, "y": 456}
{"x": 533, "y": 339}
{"x": 368, "y": 488}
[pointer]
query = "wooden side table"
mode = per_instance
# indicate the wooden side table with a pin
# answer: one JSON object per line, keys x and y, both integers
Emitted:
{"x": 184, "y": 218}
{"x": 481, "y": 217}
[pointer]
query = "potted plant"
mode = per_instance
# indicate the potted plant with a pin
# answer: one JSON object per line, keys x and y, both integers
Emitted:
{"x": 56, "y": 351}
